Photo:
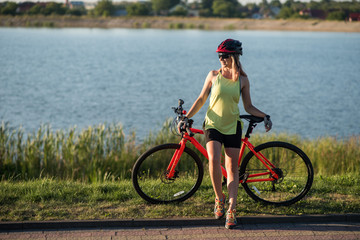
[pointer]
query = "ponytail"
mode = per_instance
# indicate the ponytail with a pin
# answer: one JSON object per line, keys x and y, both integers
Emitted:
{"x": 237, "y": 70}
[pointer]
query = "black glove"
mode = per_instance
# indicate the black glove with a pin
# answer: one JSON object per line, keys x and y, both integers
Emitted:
{"x": 182, "y": 124}
{"x": 267, "y": 122}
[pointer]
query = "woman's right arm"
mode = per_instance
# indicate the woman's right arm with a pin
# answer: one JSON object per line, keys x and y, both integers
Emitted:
{"x": 200, "y": 101}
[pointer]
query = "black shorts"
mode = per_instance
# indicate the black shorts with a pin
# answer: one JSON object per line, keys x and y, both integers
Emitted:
{"x": 229, "y": 141}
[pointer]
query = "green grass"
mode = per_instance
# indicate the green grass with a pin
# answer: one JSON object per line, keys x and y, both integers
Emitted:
{"x": 49, "y": 199}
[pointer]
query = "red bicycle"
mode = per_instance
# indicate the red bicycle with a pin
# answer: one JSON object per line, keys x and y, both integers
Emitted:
{"x": 276, "y": 172}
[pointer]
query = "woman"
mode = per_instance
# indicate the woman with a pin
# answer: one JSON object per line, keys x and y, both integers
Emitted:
{"x": 223, "y": 125}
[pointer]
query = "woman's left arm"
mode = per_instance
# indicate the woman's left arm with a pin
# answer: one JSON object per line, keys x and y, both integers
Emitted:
{"x": 249, "y": 107}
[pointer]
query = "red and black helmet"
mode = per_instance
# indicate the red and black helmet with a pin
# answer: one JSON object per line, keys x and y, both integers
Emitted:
{"x": 230, "y": 46}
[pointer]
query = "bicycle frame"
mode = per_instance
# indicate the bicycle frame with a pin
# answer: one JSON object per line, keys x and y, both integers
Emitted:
{"x": 245, "y": 143}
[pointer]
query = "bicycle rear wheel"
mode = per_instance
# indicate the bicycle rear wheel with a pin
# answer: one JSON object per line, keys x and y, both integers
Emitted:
{"x": 149, "y": 175}
{"x": 291, "y": 164}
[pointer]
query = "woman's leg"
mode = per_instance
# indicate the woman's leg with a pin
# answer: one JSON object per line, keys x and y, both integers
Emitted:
{"x": 231, "y": 165}
{"x": 214, "y": 153}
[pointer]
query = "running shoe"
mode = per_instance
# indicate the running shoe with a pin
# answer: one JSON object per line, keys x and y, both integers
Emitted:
{"x": 219, "y": 209}
{"x": 231, "y": 219}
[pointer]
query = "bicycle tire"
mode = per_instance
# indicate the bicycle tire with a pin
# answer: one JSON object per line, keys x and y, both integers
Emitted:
{"x": 291, "y": 162}
{"x": 149, "y": 171}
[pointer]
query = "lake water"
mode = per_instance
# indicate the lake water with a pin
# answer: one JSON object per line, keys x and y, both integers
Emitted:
{"x": 309, "y": 82}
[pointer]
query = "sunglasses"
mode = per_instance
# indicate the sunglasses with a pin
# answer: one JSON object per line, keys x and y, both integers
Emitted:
{"x": 224, "y": 55}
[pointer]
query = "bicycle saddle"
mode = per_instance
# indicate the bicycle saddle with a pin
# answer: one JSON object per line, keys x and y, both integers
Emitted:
{"x": 251, "y": 118}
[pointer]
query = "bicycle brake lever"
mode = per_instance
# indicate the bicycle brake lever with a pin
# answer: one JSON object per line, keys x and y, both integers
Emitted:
{"x": 190, "y": 122}
{"x": 191, "y": 134}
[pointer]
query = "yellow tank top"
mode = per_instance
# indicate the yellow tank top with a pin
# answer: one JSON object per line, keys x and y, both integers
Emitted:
{"x": 223, "y": 111}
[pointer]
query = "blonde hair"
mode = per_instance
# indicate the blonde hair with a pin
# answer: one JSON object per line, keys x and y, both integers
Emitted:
{"x": 237, "y": 69}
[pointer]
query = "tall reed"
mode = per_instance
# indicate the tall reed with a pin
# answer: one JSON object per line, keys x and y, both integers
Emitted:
{"x": 102, "y": 152}
{"x": 93, "y": 154}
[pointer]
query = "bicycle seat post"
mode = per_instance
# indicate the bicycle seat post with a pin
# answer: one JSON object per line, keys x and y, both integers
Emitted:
{"x": 253, "y": 121}
{"x": 251, "y": 127}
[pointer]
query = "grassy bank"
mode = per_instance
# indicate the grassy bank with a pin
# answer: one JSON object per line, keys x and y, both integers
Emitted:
{"x": 48, "y": 199}
{"x": 103, "y": 152}
{"x": 178, "y": 23}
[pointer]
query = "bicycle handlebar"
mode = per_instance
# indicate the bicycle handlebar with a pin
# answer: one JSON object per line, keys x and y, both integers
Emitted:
{"x": 180, "y": 116}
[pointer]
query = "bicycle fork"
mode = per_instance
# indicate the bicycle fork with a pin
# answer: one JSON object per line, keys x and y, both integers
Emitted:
{"x": 170, "y": 171}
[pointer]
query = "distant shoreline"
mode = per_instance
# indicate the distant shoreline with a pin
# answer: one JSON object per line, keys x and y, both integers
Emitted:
{"x": 179, "y": 23}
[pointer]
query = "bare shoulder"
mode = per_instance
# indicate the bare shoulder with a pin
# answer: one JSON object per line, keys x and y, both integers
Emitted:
{"x": 211, "y": 76}
{"x": 213, "y": 73}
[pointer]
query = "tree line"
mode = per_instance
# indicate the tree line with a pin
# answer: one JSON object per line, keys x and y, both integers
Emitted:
{"x": 325, "y": 9}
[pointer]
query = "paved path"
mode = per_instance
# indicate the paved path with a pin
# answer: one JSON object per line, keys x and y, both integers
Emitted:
{"x": 291, "y": 231}
{"x": 262, "y": 229}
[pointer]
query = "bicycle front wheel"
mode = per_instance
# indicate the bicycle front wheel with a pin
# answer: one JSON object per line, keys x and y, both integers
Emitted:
{"x": 149, "y": 175}
{"x": 293, "y": 167}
